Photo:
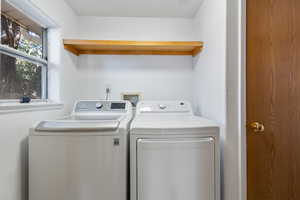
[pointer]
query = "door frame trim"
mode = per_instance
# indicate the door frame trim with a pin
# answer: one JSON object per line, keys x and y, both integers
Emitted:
{"x": 236, "y": 99}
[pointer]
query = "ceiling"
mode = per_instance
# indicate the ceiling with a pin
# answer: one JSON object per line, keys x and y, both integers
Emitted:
{"x": 136, "y": 8}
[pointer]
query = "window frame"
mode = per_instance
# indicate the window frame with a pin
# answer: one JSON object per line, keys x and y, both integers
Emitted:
{"x": 45, "y": 67}
{"x": 41, "y": 62}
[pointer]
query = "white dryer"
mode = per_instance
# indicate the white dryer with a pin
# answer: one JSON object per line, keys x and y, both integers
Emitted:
{"x": 174, "y": 154}
{"x": 81, "y": 157}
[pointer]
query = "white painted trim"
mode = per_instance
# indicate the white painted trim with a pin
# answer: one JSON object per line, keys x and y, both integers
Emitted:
{"x": 16, "y": 53}
{"x": 15, "y": 107}
{"x": 33, "y": 12}
{"x": 243, "y": 122}
{"x": 236, "y": 88}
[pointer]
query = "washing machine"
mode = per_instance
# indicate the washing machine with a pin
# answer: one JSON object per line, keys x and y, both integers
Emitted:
{"x": 83, "y": 156}
{"x": 174, "y": 155}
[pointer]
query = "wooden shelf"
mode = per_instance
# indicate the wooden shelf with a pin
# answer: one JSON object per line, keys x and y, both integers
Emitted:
{"x": 114, "y": 47}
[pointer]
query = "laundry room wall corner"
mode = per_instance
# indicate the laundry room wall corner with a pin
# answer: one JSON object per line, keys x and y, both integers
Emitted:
{"x": 209, "y": 67}
{"x": 209, "y": 79}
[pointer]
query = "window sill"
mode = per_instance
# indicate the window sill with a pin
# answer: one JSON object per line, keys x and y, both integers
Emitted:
{"x": 14, "y": 107}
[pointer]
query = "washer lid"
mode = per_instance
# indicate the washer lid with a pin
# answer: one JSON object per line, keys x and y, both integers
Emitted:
{"x": 77, "y": 125}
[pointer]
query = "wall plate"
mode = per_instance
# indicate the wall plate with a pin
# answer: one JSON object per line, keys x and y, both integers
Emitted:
{"x": 134, "y": 98}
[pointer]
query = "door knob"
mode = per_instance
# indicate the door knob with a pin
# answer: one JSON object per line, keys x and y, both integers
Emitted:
{"x": 257, "y": 127}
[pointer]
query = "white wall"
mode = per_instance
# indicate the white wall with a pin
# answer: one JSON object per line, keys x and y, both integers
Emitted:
{"x": 155, "y": 77}
{"x": 210, "y": 80}
{"x": 14, "y": 127}
{"x": 14, "y": 152}
{"x": 210, "y": 65}
{"x": 131, "y": 28}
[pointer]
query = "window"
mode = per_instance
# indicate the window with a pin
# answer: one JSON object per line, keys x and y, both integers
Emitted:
{"x": 23, "y": 56}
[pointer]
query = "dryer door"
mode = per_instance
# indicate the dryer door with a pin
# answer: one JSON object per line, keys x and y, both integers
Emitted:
{"x": 176, "y": 169}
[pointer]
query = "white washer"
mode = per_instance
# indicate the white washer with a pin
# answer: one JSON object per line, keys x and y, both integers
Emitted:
{"x": 82, "y": 157}
{"x": 174, "y": 154}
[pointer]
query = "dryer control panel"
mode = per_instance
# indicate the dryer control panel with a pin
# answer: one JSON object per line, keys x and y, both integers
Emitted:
{"x": 148, "y": 107}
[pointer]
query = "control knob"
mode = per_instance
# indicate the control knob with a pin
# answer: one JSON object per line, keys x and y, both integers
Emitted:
{"x": 162, "y": 106}
{"x": 99, "y": 105}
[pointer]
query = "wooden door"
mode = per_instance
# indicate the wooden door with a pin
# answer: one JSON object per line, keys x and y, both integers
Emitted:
{"x": 273, "y": 99}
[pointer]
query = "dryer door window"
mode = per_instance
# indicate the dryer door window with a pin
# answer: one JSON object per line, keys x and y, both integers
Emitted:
{"x": 175, "y": 169}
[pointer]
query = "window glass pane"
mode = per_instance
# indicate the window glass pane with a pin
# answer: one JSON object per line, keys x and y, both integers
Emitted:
{"x": 20, "y": 32}
{"x": 19, "y": 78}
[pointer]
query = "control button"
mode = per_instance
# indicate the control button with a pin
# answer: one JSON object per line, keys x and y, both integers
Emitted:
{"x": 162, "y": 107}
{"x": 116, "y": 141}
{"x": 99, "y": 105}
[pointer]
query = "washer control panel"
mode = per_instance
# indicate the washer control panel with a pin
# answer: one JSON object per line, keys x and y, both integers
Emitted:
{"x": 100, "y": 106}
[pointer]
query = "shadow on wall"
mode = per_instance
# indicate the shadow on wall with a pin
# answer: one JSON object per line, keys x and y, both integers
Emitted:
{"x": 155, "y": 77}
